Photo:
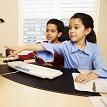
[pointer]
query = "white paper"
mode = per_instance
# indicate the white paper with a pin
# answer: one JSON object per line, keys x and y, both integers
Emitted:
{"x": 99, "y": 101}
{"x": 101, "y": 85}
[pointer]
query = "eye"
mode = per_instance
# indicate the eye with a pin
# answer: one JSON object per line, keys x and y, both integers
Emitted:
{"x": 52, "y": 31}
{"x": 47, "y": 30}
{"x": 76, "y": 27}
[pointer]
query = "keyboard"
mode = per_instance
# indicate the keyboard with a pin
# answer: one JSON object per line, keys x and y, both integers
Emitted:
{"x": 36, "y": 70}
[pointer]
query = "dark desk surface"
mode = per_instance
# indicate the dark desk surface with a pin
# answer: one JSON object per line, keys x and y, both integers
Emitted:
{"x": 63, "y": 84}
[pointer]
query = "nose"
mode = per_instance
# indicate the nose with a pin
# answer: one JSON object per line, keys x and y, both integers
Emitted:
{"x": 71, "y": 31}
{"x": 48, "y": 33}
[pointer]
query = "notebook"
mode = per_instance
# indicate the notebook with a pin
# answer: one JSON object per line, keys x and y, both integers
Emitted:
{"x": 100, "y": 84}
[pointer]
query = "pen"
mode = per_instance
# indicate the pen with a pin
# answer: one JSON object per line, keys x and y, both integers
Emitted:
{"x": 94, "y": 87}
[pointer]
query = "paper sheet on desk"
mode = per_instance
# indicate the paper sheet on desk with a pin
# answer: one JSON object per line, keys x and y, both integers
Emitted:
{"x": 99, "y": 101}
{"x": 101, "y": 85}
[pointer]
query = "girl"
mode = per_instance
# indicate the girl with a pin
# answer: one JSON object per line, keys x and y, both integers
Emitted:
{"x": 81, "y": 52}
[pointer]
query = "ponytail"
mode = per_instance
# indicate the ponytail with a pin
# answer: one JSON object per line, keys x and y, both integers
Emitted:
{"x": 91, "y": 37}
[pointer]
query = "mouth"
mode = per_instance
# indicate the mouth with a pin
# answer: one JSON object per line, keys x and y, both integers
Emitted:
{"x": 49, "y": 38}
{"x": 71, "y": 36}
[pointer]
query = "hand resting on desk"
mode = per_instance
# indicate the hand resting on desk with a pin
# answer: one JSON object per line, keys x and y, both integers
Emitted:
{"x": 95, "y": 85}
{"x": 85, "y": 77}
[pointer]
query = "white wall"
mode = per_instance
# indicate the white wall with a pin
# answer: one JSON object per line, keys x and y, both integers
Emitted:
{"x": 102, "y": 29}
{"x": 9, "y": 30}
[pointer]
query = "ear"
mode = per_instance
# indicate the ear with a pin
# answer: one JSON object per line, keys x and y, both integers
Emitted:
{"x": 88, "y": 30}
{"x": 59, "y": 34}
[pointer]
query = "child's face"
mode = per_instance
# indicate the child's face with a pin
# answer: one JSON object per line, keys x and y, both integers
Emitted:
{"x": 52, "y": 33}
{"x": 77, "y": 31}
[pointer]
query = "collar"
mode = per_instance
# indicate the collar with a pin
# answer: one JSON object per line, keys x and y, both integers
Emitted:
{"x": 74, "y": 47}
{"x": 87, "y": 49}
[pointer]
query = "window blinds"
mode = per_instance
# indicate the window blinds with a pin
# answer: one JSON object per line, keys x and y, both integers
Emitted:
{"x": 36, "y": 13}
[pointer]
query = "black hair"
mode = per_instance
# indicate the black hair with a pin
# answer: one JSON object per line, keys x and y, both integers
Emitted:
{"x": 1, "y": 20}
{"x": 65, "y": 34}
{"x": 58, "y": 23}
{"x": 88, "y": 22}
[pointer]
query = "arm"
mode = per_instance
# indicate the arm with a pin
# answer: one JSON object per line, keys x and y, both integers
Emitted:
{"x": 32, "y": 47}
{"x": 98, "y": 62}
{"x": 99, "y": 71}
{"x": 26, "y": 57}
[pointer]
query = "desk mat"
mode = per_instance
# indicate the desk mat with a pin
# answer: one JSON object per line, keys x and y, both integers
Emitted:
{"x": 63, "y": 84}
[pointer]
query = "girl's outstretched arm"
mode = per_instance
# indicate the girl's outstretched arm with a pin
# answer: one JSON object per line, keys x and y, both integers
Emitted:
{"x": 32, "y": 47}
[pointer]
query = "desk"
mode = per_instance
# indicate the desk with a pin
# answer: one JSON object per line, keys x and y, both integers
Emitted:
{"x": 13, "y": 94}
